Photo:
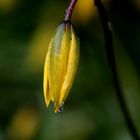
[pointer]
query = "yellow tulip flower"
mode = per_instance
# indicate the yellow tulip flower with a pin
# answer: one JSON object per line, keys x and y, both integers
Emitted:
{"x": 60, "y": 65}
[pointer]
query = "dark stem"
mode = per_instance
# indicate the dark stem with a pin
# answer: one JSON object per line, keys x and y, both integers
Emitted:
{"x": 69, "y": 10}
{"x": 111, "y": 59}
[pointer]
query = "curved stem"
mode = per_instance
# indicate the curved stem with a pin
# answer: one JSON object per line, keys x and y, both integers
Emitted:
{"x": 69, "y": 10}
{"x": 111, "y": 59}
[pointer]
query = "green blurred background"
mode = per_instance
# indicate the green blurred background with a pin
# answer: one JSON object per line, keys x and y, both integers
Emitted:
{"x": 92, "y": 111}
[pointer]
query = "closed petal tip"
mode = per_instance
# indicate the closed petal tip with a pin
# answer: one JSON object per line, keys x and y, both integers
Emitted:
{"x": 58, "y": 109}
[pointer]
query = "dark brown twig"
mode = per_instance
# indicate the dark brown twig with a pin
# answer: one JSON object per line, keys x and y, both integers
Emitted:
{"x": 111, "y": 59}
{"x": 69, "y": 10}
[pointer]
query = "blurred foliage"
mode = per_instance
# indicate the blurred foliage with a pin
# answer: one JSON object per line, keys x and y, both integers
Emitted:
{"x": 92, "y": 110}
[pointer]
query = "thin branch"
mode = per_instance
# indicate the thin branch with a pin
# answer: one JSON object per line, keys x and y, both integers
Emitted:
{"x": 111, "y": 59}
{"x": 69, "y": 11}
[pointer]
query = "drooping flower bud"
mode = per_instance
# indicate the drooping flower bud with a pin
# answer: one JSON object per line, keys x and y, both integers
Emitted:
{"x": 60, "y": 65}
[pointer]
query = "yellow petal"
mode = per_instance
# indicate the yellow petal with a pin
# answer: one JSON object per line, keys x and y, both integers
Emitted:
{"x": 71, "y": 67}
{"x": 46, "y": 80}
{"x": 58, "y": 62}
